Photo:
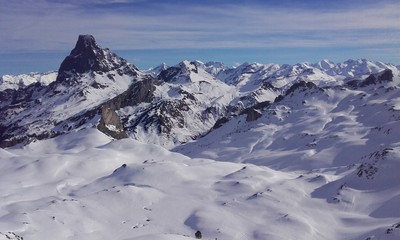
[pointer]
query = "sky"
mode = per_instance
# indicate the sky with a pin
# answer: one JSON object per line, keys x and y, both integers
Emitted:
{"x": 36, "y": 35}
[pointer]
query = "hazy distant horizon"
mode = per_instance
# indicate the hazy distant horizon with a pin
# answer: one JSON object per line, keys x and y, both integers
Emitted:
{"x": 38, "y": 35}
{"x": 24, "y": 63}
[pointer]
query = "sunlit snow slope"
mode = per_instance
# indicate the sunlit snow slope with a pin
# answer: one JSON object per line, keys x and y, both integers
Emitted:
{"x": 86, "y": 186}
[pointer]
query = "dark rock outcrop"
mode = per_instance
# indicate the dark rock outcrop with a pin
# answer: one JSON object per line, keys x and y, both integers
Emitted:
{"x": 168, "y": 74}
{"x": 220, "y": 122}
{"x": 252, "y": 114}
{"x": 180, "y": 71}
{"x": 11, "y": 236}
{"x": 141, "y": 91}
{"x": 384, "y": 76}
{"x": 163, "y": 115}
{"x": 302, "y": 86}
{"x": 110, "y": 122}
{"x": 198, "y": 235}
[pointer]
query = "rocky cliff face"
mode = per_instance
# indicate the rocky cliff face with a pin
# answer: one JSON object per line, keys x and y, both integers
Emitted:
{"x": 87, "y": 56}
{"x": 110, "y": 122}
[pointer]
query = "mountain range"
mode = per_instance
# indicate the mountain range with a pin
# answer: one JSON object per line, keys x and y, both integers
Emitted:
{"x": 257, "y": 151}
{"x": 165, "y": 105}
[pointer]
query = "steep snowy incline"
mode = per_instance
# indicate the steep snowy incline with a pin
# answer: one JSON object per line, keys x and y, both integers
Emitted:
{"x": 347, "y": 137}
{"x": 187, "y": 102}
{"x": 83, "y": 185}
{"x": 309, "y": 127}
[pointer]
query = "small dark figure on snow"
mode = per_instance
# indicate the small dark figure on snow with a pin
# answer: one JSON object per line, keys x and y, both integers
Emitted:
{"x": 198, "y": 235}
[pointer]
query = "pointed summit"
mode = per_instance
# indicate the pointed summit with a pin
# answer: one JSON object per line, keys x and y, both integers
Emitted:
{"x": 88, "y": 56}
{"x": 85, "y": 43}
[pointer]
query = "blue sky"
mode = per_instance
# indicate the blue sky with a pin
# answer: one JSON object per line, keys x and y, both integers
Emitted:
{"x": 36, "y": 35}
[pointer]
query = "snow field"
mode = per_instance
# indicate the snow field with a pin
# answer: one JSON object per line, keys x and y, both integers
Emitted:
{"x": 86, "y": 186}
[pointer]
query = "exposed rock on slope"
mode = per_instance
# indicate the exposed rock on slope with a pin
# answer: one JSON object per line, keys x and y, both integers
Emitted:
{"x": 88, "y": 56}
{"x": 10, "y": 236}
{"x": 110, "y": 121}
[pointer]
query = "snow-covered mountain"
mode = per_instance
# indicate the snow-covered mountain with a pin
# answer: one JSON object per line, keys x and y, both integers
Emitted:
{"x": 23, "y": 80}
{"x": 157, "y": 70}
{"x": 259, "y": 151}
{"x": 180, "y": 103}
{"x": 88, "y": 77}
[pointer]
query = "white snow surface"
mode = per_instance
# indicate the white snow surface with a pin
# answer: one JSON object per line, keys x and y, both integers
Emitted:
{"x": 84, "y": 185}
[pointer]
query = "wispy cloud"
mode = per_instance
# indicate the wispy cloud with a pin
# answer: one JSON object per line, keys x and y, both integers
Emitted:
{"x": 138, "y": 24}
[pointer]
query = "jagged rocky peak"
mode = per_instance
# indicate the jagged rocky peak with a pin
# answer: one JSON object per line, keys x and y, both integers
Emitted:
{"x": 302, "y": 86}
{"x": 215, "y": 68}
{"x": 179, "y": 72}
{"x": 88, "y": 56}
{"x": 384, "y": 76}
{"x": 85, "y": 42}
{"x": 325, "y": 64}
{"x": 154, "y": 72}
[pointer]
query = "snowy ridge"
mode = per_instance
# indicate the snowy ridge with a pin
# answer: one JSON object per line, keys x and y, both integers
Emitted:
{"x": 23, "y": 80}
{"x": 157, "y": 70}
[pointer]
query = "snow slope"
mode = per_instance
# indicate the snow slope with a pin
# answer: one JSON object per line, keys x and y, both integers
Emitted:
{"x": 346, "y": 138}
{"x": 308, "y": 123}
{"x": 316, "y": 165}
{"x": 84, "y": 185}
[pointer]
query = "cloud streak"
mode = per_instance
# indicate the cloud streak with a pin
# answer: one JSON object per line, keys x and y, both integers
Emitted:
{"x": 44, "y": 25}
{"x": 48, "y": 25}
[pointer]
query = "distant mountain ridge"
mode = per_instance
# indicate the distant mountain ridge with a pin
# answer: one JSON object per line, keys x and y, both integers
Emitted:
{"x": 170, "y": 106}
{"x": 349, "y": 70}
